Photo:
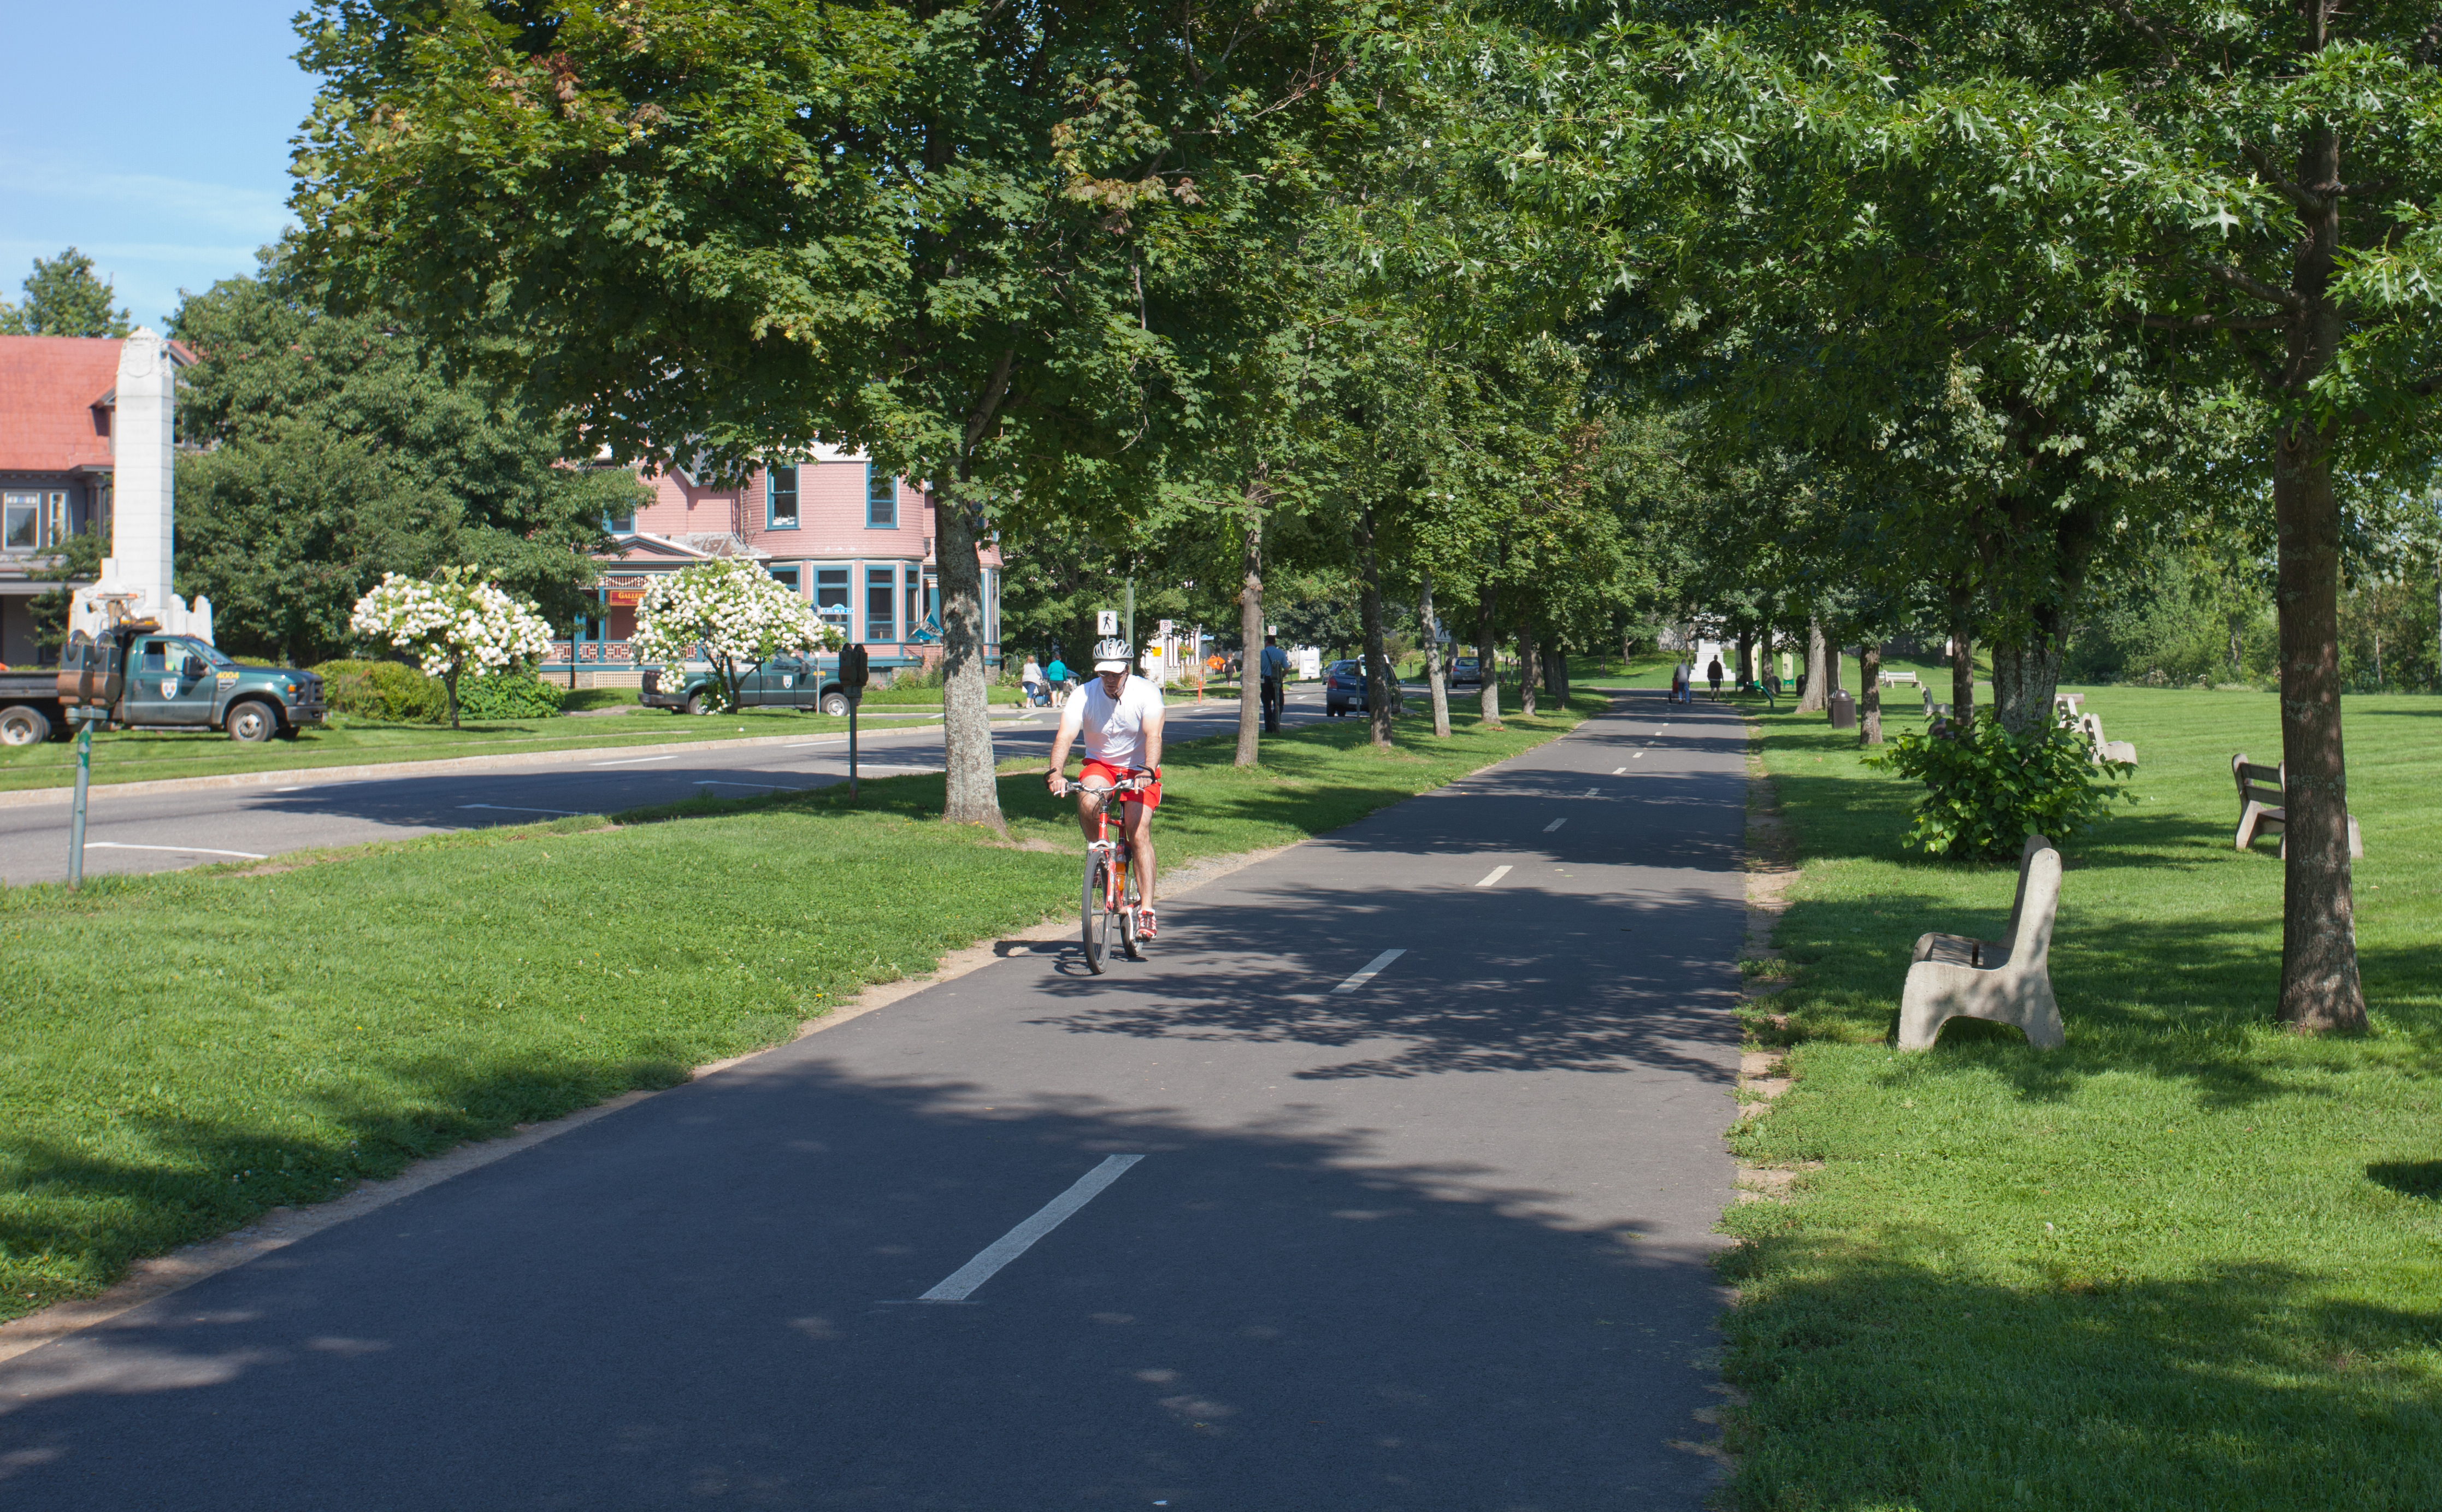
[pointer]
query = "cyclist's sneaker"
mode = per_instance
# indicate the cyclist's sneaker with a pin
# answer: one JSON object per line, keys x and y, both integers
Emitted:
{"x": 1144, "y": 923}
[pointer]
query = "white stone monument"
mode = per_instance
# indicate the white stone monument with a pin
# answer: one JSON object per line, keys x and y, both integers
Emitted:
{"x": 135, "y": 582}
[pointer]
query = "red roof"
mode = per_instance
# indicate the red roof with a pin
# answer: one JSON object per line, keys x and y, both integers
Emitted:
{"x": 48, "y": 387}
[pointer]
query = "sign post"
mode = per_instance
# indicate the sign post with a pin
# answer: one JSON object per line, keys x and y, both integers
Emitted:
{"x": 92, "y": 675}
{"x": 853, "y": 673}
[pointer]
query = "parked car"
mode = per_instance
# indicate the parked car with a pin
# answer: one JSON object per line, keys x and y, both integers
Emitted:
{"x": 170, "y": 682}
{"x": 1343, "y": 689}
{"x": 783, "y": 682}
{"x": 1467, "y": 669}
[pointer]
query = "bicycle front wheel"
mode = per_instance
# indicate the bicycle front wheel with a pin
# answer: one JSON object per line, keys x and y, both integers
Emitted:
{"x": 1090, "y": 917}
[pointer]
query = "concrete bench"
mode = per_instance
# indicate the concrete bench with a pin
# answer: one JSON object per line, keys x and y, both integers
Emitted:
{"x": 2262, "y": 792}
{"x": 2003, "y": 981}
{"x": 2090, "y": 725}
{"x": 2075, "y": 703}
{"x": 1895, "y": 678}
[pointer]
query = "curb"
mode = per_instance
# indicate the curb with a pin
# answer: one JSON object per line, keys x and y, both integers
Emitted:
{"x": 439, "y": 766}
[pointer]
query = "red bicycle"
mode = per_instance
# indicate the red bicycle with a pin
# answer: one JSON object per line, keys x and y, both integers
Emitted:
{"x": 1110, "y": 891}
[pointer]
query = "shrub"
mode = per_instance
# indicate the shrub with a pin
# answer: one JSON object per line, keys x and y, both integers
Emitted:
{"x": 397, "y": 694}
{"x": 383, "y": 690}
{"x": 1985, "y": 788}
{"x": 509, "y": 696}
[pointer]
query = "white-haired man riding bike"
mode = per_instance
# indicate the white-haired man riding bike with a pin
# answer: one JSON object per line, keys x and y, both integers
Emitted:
{"x": 1119, "y": 715}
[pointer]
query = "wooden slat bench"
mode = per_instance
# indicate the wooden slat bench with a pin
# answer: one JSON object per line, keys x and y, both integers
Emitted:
{"x": 2090, "y": 725}
{"x": 2263, "y": 792}
{"x": 2004, "y": 981}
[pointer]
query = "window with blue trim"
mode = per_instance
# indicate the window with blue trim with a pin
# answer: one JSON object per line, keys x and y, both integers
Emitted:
{"x": 780, "y": 498}
{"x": 620, "y": 524}
{"x": 881, "y": 500}
{"x": 831, "y": 588}
{"x": 879, "y": 589}
{"x": 788, "y": 576}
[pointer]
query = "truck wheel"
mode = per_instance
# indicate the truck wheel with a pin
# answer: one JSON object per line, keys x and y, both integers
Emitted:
{"x": 22, "y": 726}
{"x": 694, "y": 704}
{"x": 835, "y": 704}
{"x": 252, "y": 723}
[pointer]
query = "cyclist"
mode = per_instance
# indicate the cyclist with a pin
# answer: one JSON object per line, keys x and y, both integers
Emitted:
{"x": 1276, "y": 670}
{"x": 1119, "y": 715}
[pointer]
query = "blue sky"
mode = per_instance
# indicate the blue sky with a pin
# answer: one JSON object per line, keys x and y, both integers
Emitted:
{"x": 153, "y": 137}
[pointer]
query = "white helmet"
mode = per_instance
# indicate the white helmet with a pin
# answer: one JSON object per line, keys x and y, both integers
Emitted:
{"x": 1111, "y": 655}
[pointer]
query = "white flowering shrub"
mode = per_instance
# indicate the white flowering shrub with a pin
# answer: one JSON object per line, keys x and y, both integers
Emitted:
{"x": 451, "y": 624}
{"x": 730, "y": 613}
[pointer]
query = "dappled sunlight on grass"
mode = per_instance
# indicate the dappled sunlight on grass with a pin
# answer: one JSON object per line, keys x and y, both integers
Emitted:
{"x": 2184, "y": 1262}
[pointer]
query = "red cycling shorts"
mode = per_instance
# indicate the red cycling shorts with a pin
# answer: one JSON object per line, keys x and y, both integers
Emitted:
{"x": 1149, "y": 795}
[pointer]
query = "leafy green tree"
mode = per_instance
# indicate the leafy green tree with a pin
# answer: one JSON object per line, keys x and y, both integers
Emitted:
{"x": 331, "y": 451}
{"x": 65, "y": 297}
{"x": 970, "y": 237}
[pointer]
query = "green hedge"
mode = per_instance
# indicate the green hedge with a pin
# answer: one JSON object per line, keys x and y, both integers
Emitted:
{"x": 397, "y": 694}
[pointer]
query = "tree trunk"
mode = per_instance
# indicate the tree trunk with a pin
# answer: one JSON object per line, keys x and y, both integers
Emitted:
{"x": 971, "y": 790}
{"x": 1817, "y": 696}
{"x": 1250, "y": 636}
{"x": 1487, "y": 658}
{"x": 1434, "y": 670}
{"x": 1963, "y": 656}
{"x": 1746, "y": 667}
{"x": 1870, "y": 694}
{"x": 1528, "y": 670}
{"x": 449, "y": 685}
{"x": 1555, "y": 672}
{"x": 2026, "y": 674}
{"x": 1379, "y": 684}
{"x": 2320, "y": 990}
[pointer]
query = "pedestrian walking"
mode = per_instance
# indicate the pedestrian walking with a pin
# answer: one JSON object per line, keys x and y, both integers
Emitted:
{"x": 1030, "y": 678}
{"x": 1056, "y": 676}
{"x": 1713, "y": 675}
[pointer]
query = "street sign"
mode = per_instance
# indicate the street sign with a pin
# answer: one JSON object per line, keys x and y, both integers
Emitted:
{"x": 1106, "y": 622}
{"x": 1162, "y": 628}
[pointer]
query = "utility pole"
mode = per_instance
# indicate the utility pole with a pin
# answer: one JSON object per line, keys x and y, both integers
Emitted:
{"x": 1130, "y": 618}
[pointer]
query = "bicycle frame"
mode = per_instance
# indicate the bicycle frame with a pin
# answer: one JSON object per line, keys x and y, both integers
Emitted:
{"x": 1109, "y": 857}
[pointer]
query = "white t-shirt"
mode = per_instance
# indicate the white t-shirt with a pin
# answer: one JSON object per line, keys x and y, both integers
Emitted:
{"x": 1113, "y": 727}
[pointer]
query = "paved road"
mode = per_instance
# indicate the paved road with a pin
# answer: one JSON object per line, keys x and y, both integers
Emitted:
{"x": 1439, "y": 1241}
{"x": 163, "y": 831}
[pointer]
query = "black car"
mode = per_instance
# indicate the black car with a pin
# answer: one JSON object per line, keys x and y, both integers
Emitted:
{"x": 1343, "y": 689}
{"x": 1467, "y": 669}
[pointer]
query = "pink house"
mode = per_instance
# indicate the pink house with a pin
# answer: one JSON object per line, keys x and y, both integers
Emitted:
{"x": 857, "y": 544}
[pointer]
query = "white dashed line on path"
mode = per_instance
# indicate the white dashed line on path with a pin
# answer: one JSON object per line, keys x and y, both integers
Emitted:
{"x": 1617, "y": 771}
{"x": 632, "y": 761}
{"x": 1020, "y": 1239}
{"x": 1554, "y": 825}
{"x": 1373, "y": 968}
{"x": 1493, "y": 876}
{"x": 1593, "y": 793}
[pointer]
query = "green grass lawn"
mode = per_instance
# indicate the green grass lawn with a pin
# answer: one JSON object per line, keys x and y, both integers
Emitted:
{"x": 143, "y": 755}
{"x": 2191, "y": 1261}
{"x": 180, "y": 1052}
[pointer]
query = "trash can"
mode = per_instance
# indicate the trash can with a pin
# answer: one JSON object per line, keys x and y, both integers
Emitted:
{"x": 1844, "y": 710}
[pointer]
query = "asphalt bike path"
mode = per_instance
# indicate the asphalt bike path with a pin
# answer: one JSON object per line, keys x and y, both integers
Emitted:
{"x": 1388, "y": 1182}
{"x": 166, "y": 831}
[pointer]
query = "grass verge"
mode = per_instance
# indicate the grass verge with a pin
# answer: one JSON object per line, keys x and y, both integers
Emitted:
{"x": 2191, "y": 1261}
{"x": 181, "y": 1051}
{"x": 144, "y": 756}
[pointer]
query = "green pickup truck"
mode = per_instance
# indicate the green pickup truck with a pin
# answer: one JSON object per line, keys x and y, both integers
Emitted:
{"x": 172, "y": 683}
{"x": 782, "y": 683}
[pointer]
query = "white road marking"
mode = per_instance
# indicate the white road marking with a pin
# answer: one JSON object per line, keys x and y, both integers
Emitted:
{"x": 632, "y": 761}
{"x": 1554, "y": 825}
{"x": 1593, "y": 793}
{"x": 179, "y": 851}
{"x": 288, "y": 789}
{"x": 1373, "y": 968}
{"x": 717, "y": 782}
{"x": 519, "y": 808}
{"x": 1020, "y": 1239}
{"x": 1497, "y": 873}
{"x": 1638, "y": 756}
{"x": 1617, "y": 771}
{"x": 802, "y": 745}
